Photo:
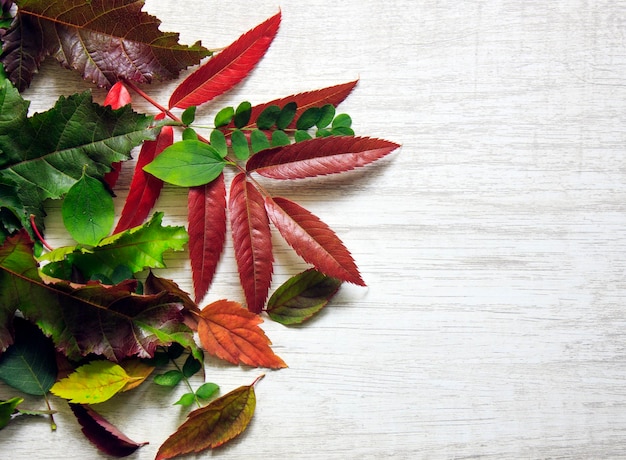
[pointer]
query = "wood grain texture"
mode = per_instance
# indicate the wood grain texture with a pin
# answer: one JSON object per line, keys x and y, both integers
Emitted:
{"x": 493, "y": 243}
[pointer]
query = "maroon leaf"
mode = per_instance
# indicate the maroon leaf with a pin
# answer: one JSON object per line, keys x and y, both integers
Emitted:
{"x": 207, "y": 232}
{"x": 334, "y": 95}
{"x": 117, "y": 97}
{"x": 319, "y": 156}
{"x": 105, "y": 436}
{"x": 252, "y": 241}
{"x": 312, "y": 240}
{"x": 226, "y": 69}
{"x": 144, "y": 188}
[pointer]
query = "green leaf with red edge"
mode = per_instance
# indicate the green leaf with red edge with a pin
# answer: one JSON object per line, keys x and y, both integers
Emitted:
{"x": 106, "y": 41}
{"x": 301, "y": 297}
{"x": 227, "y": 68}
{"x": 213, "y": 425}
{"x": 206, "y": 206}
{"x": 110, "y": 321}
{"x": 312, "y": 240}
{"x": 333, "y": 95}
{"x": 232, "y": 333}
{"x": 252, "y": 241}
{"x": 320, "y": 156}
{"x": 105, "y": 436}
{"x": 144, "y": 188}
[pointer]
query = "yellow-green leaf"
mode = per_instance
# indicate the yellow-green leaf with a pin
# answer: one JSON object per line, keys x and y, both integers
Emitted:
{"x": 93, "y": 383}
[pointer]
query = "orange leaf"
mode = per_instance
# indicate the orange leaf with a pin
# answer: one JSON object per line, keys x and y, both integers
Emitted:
{"x": 232, "y": 333}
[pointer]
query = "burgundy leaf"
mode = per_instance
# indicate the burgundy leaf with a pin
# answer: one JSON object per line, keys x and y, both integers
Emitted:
{"x": 319, "y": 156}
{"x": 226, "y": 69}
{"x": 207, "y": 232}
{"x": 334, "y": 95}
{"x": 144, "y": 188}
{"x": 312, "y": 240}
{"x": 117, "y": 97}
{"x": 252, "y": 241}
{"x": 103, "y": 434}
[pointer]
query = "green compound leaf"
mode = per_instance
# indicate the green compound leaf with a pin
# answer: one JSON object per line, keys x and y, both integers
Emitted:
{"x": 207, "y": 390}
{"x": 189, "y": 115}
{"x": 286, "y": 115}
{"x": 240, "y": 145}
{"x": 242, "y": 114}
{"x": 326, "y": 116}
{"x": 169, "y": 378}
{"x": 302, "y": 297}
{"x": 224, "y": 116}
{"x": 259, "y": 141}
{"x": 268, "y": 117}
{"x": 218, "y": 141}
{"x": 187, "y": 163}
{"x": 29, "y": 365}
{"x": 280, "y": 138}
{"x": 92, "y": 383}
{"x": 309, "y": 118}
{"x": 88, "y": 211}
{"x": 342, "y": 121}
{"x": 186, "y": 400}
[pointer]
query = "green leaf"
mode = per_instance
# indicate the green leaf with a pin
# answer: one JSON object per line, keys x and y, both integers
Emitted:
{"x": 88, "y": 211}
{"x": 267, "y": 117}
{"x": 92, "y": 383}
{"x": 326, "y": 116}
{"x": 207, "y": 390}
{"x": 187, "y": 164}
{"x": 190, "y": 134}
{"x": 224, "y": 116}
{"x": 240, "y": 145}
{"x": 169, "y": 378}
{"x": 259, "y": 141}
{"x": 301, "y": 297}
{"x": 43, "y": 156}
{"x": 186, "y": 400}
{"x": 309, "y": 118}
{"x": 189, "y": 115}
{"x": 300, "y": 136}
{"x": 29, "y": 365}
{"x": 242, "y": 114}
{"x": 218, "y": 141}
{"x": 7, "y": 408}
{"x": 342, "y": 131}
{"x": 191, "y": 366}
{"x": 286, "y": 115}
{"x": 280, "y": 138}
{"x": 133, "y": 250}
{"x": 342, "y": 121}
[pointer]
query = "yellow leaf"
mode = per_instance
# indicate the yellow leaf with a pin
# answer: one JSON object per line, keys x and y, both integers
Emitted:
{"x": 93, "y": 383}
{"x": 138, "y": 370}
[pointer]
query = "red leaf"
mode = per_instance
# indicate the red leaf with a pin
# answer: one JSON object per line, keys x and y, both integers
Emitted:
{"x": 226, "y": 69}
{"x": 232, "y": 333}
{"x": 207, "y": 232}
{"x": 117, "y": 97}
{"x": 103, "y": 434}
{"x": 334, "y": 95}
{"x": 312, "y": 240}
{"x": 319, "y": 156}
{"x": 144, "y": 188}
{"x": 252, "y": 241}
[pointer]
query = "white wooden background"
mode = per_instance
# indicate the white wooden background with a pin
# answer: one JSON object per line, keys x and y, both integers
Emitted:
{"x": 493, "y": 243}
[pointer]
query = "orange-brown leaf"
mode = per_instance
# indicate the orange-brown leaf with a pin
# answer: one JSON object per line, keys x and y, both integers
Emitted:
{"x": 232, "y": 333}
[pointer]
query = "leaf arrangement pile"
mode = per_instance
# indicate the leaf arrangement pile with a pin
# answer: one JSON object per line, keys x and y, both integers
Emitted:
{"x": 86, "y": 322}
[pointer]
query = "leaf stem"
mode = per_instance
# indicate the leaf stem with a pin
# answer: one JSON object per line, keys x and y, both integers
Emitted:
{"x": 39, "y": 236}
{"x": 195, "y": 397}
{"x": 53, "y": 424}
{"x": 257, "y": 380}
{"x": 143, "y": 94}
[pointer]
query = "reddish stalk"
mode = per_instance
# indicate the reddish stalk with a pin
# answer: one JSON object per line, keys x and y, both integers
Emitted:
{"x": 38, "y": 235}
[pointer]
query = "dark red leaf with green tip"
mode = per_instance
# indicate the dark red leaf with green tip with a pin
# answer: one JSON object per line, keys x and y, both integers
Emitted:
{"x": 312, "y": 240}
{"x": 226, "y": 69}
{"x": 319, "y": 156}
{"x": 207, "y": 232}
{"x": 105, "y": 436}
{"x": 252, "y": 241}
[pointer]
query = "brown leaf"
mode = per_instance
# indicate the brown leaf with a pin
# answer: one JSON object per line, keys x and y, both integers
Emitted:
{"x": 232, "y": 333}
{"x": 212, "y": 425}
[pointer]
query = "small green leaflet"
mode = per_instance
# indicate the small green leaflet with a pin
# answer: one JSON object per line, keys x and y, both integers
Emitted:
{"x": 88, "y": 211}
{"x": 6, "y": 410}
{"x": 302, "y": 297}
{"x": 187, "y": 163}
{"x": 205, "y": 391}
{"x": 93, "y": 383}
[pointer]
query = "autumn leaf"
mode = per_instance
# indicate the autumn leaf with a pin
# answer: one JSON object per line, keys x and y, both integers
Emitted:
{"x": 312, "y": 240}
{"x": 105, "y": 41}
{"x": 319, "y": 156}
{"x": 110, "y": 321}
{"x": 301, "y": 297}
{"x": 139, "y": 370}
{"x": 212, "y": 425}
{"x": 105, "y": 436}
{"x": 44, "y": 155}
{"x": 93, "y": 383}
{"x": 232, "y": 333}
{"x": 206, "y": 206}
{"x": 227, "y": 68}
{"x": 117, "y": 97}
{"x": 252, "y": 241}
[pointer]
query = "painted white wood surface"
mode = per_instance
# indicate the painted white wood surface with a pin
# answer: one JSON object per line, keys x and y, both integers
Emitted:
{"x": 493, "y": 243}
